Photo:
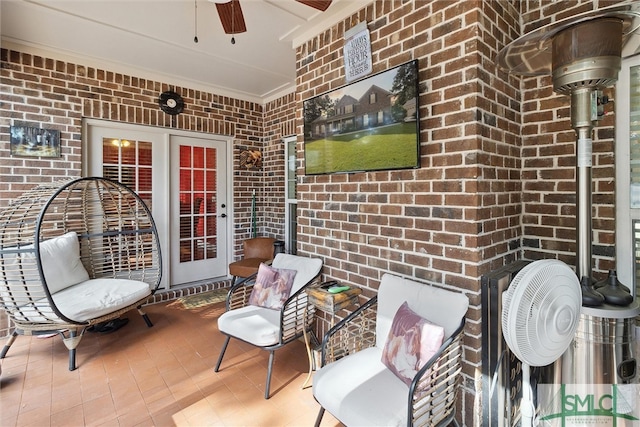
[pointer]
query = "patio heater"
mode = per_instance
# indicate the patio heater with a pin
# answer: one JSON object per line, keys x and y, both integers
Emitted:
{"x": 583, "y": 55}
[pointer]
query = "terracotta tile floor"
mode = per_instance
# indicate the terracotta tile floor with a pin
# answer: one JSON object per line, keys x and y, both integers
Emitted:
{"x": 162, "y": 376}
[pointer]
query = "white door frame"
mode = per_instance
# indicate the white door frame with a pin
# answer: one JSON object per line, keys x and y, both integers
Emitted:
{"x": 161, "y": 177}
{"x": 625, "y": 251}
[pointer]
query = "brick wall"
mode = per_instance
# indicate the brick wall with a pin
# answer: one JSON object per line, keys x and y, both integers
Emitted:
{"x": 35, "y": 93}
{"x": 456, "y": 217}
{"x": 48, "y": 93}
{"x": 497, "y": 177}
{"x": 279, "y": 122}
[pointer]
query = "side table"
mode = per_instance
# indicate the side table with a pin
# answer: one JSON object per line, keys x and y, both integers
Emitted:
{"x": 331, "y": 304}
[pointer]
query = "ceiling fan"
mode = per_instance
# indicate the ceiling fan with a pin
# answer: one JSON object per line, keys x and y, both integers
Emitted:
{"x": 232, "y": 19}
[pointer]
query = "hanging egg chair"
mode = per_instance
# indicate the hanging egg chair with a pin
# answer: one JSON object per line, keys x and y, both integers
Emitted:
{"x": 75, "y": 254}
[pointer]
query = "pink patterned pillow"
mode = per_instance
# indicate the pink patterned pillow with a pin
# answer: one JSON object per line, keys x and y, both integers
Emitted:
{"x": 272, "y": 288}
{"x": 412, "y": 341}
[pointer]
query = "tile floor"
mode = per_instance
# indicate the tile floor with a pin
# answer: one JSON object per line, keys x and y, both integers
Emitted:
{"x": 159, "y": 376}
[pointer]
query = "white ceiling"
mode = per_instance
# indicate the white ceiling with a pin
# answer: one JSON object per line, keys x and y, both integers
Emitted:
{"x": 154, "y": 39}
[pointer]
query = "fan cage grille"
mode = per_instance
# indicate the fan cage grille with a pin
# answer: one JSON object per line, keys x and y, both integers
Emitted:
{"x": 541, "y": 310}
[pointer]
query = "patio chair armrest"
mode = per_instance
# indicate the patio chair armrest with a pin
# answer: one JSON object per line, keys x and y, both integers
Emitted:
{"x": 239, "y": 293}
{"x": 355, "y": 332}
{"x": 296, "y": 314}
{"x": 433, "y": 391}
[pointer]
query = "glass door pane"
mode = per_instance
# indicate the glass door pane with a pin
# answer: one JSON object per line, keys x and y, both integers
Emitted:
{"x": 198, "y": 207}
{"x": 291, "y": 217}
{"x": 129, "y": 162}
{"x": 634, "y": 135}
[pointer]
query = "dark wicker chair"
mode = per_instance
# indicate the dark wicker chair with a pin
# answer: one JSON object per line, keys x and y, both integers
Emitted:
{"x": 117, "y": 246}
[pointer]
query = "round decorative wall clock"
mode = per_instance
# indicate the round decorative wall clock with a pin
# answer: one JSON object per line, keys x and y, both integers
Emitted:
{"x": 171, "y": 103}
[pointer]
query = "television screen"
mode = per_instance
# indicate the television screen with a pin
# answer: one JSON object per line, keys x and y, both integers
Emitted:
{"x": 368, "y": 125}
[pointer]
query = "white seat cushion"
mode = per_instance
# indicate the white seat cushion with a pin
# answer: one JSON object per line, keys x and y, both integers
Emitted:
{"x": 359, "y": 390}
{"x": 307, "y": 268}
{"x": 97, "y": 297}
{"x": 256, "y": 325}
{"x": 60, "y": 258}
{"x": 261, "y": 326}
{"x": 439, "y": 306}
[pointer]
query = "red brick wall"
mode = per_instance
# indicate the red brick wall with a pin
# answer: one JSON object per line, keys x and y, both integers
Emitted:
{"x": 279, "y": 122}
{"x": 456, "y": 217}
{"x": 497, "y": 177}
{"x": 48, "y": 93}
{"x": 34, "y": 92}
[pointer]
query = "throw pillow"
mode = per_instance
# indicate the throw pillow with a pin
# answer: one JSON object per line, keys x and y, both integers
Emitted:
{"x": 272, "y": 287}
{"x": 411, "y": 342}
{"x": 60, "y": 257}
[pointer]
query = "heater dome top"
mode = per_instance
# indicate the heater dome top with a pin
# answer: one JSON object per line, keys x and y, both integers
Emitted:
{"x": 531, "y": 54}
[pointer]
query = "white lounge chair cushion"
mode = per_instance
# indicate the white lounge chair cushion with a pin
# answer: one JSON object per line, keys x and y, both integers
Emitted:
{"x": 89, "y": 300}
{"x": 60, "y": 257}
{"x": 261, "y": 326}
{"x": 96, "y": 297}
{"x": 360, "y": 390}
{"x": 256, "y": 325}
{"x": 307, "y": 268}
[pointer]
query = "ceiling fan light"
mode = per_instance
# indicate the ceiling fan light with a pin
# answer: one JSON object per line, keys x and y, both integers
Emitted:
{"x": 220, "y": 1}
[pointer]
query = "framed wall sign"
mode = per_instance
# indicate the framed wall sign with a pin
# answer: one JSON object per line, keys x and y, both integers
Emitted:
{"x": 29, "y": 141}
{"x": 357, "y": 52}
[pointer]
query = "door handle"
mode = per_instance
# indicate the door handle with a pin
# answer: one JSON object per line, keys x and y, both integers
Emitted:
{"x": 223, "y": 215}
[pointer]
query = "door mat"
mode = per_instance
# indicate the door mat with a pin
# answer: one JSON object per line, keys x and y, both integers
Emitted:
{"x": 203, "y": 299}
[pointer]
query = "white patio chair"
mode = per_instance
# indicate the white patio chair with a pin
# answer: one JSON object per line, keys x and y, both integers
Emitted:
{"x": 357, "y": 388}
{"x": 267, "y": 328}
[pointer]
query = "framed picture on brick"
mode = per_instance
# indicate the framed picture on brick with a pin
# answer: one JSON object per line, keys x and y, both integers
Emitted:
{"x": 27, "y": 141}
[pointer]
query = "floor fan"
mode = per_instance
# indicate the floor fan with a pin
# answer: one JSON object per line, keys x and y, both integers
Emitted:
{"x": 540, "y": 313}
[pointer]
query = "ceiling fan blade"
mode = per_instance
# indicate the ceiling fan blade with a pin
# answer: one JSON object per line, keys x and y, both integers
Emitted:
{"x": 317, "y": 4}
{"x": 231, "y": 17}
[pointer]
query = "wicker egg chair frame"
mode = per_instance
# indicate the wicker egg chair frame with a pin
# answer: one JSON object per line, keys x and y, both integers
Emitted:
{"x": 117, "y": 237}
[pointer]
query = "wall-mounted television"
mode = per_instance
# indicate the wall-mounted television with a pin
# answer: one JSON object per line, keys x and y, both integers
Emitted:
{"x": 368, "y": 125}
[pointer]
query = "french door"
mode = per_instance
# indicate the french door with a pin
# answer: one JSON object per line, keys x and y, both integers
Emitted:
{"x": 199, "y": 204}
{"x": 182, "y": 177}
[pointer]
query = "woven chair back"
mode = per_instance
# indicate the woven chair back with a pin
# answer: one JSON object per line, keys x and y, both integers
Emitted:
{"x": 116, "y": 232}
